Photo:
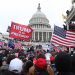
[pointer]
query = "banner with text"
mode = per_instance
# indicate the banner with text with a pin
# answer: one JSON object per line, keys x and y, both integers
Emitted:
{"x": 21, "y": 32}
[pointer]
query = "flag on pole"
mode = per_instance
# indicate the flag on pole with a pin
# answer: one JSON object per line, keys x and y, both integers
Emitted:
{"x": 11, "y": 44}
{"x": 55, "y": 48}
{"x": 1, "y": 44}
{"x": 20, "y": 32}
{"x": 18, "y": 45}
{"x": 61, "y": 37}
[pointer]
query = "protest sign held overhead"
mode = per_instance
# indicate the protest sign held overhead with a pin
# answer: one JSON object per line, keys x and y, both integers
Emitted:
{"x": 21, "y": 32}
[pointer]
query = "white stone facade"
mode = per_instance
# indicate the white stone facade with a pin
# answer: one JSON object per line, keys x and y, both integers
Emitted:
{"x": 41, "y": 29}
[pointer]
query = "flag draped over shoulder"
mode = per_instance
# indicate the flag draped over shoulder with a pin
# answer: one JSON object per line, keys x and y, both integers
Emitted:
{"x": 62, "y": 37}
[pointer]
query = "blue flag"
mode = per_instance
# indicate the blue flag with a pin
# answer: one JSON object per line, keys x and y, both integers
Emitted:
{"x": 59, "y": 31}
{"x": 11, "y": 44}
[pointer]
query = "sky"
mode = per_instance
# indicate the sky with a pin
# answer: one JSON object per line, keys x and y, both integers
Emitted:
{"x": 21, "y": 11}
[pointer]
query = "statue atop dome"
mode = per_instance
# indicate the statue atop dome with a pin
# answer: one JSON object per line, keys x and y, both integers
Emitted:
{"x": 39, "y": 17}
{"x": 41, "y": 28}
{"x": 73, "y": 1}
{"x": 39, "y": 8}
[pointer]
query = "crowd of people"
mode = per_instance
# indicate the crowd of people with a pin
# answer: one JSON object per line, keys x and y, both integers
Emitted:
{"x": 36, "y": 62}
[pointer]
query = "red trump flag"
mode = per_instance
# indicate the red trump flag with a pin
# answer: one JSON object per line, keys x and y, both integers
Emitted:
{"x": 19, "y": 31}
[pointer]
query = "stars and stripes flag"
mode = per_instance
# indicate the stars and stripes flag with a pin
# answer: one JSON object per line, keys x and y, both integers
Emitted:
{"x": 1, "y": 44}
{"x": 56, "y": 48}
{"x": 18, "y": 45}
{"x": 60, "y": 37}
{"x": 11, "y": 44}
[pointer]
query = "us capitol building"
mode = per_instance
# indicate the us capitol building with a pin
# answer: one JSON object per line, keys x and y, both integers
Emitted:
{"x": 42, "y": 31}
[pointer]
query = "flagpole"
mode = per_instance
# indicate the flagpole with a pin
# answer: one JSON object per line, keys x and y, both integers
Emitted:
{"x": 69, "y": 49}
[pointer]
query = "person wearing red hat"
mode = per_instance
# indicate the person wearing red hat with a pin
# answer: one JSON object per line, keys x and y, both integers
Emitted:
{"x": 41, "y": 67}
{"x": 52, "y": 59}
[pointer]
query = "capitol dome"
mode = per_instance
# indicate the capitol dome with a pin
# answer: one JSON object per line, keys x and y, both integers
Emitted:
{"x": 39, "y": 17}
{"x": 41, "y": 28}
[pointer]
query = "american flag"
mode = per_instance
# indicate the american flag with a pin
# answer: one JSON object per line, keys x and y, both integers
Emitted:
{"x": 1, "y": 44}
{"x": 60, "y": 37}
{"x": 56, "y": 48}
{"x": 18, "y": 45}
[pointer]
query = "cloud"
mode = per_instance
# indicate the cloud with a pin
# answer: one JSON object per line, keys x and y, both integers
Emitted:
{"x": 21, "y": 11}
